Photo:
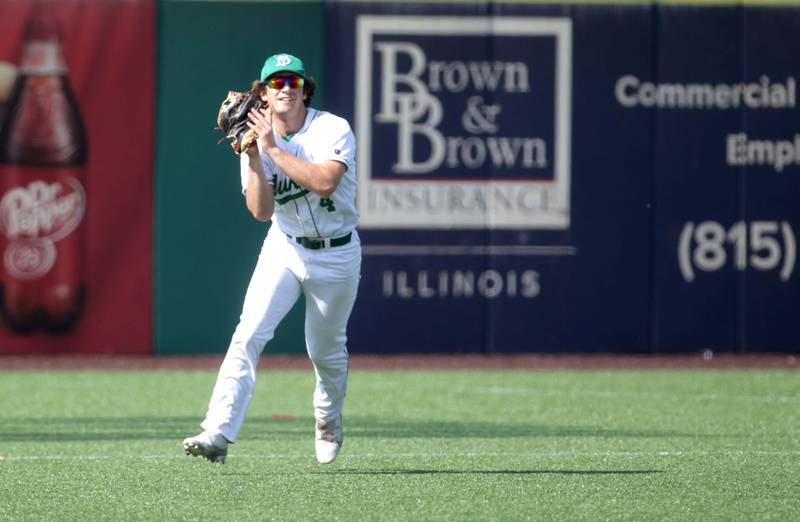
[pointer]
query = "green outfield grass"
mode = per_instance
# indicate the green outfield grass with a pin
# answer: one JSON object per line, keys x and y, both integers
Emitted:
{"x": 457, "y": 445}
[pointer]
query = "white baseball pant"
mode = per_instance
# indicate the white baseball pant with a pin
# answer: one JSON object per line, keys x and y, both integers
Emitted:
{"x": 329, "y": 279}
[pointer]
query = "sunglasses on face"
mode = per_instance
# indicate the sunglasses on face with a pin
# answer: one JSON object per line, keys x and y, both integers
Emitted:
{"x": 279, "y": 82}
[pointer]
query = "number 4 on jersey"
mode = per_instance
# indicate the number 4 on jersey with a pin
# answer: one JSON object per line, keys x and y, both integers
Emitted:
{"x": 327, "y": 203}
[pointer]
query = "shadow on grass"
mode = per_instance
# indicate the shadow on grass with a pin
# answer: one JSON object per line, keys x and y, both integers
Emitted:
{"x": 493, "y": 472}
{"x": 377, "y": 427}
{"x": 72, "y": 429}
{"x": 84, "y": 429}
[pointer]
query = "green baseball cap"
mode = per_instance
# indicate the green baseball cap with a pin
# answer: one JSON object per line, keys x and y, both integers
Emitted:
{"x": 282, "y": 62}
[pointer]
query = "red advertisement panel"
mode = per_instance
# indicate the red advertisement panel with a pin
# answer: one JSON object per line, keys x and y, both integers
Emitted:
{"x": 76, "y": 163}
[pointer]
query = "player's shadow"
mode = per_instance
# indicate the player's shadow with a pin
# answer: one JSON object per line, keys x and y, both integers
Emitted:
{"x": 492, "y": 472}
{"x": 390, "y": 428}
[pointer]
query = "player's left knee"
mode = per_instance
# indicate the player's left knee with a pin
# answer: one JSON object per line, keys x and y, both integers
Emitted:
{"x": 326, "y": 342}
{"x": 331, "y": 360}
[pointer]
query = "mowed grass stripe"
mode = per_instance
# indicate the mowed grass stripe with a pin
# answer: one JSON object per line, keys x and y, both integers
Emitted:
{"x": 578, "y": 445}
{"x": 366, "y": 456}
{"x": 628, "y": 395}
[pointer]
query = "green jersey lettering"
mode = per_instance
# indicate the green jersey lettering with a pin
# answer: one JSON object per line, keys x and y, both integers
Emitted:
{"x": 327, "y": 203}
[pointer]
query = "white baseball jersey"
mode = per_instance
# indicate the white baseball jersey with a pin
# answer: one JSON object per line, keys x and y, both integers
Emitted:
{"x": 286, "y": 269}
{"x": 298, "y": 211}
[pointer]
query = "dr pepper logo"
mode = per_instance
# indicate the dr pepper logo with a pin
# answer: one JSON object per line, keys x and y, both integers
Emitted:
{"x": 463, "y": 122}
{"x": 42, "y": 210}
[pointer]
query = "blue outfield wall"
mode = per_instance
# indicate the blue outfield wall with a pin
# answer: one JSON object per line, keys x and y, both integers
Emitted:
{"x": 572, "y": 178}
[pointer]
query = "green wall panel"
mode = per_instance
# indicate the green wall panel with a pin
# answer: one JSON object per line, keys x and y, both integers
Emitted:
{"x": 206, "y": 242}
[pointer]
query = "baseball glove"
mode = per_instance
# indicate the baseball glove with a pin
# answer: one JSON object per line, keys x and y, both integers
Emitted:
{"x": 232, "y": 119}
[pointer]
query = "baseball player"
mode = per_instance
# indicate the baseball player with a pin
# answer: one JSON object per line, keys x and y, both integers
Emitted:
{"x": 302, "y": 176}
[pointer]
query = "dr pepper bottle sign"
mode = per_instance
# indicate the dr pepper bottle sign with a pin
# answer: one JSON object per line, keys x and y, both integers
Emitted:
{"x": 43, "y": 154}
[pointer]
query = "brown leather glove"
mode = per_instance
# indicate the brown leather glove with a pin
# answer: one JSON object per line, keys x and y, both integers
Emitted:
{"x": 232, "y": 119}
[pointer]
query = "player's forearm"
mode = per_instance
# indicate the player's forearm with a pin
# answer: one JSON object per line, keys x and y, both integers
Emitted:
{"x": 258, "y": 195}
{"x": 316, "y": 177}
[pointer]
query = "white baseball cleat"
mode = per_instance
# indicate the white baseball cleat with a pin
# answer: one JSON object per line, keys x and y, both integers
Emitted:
{"x": 328, "y": 440}
{"x": 209, "y": 445}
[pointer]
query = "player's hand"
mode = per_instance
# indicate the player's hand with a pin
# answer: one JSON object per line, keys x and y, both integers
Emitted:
{"x": 252, "y": 151}
{"x": 261, "y": 123}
